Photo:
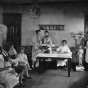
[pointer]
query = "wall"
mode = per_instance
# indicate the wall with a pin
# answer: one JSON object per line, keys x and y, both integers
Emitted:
{"x": 71, "y": 17}
{"x": 1, "y": 11}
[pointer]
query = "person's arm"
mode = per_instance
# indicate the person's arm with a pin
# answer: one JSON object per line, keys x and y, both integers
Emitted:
{"x": 58, "y": 49}
{"x": 3, "y": 69}
{"x": 25, "y": 56}
{"x": 51, "y": 41}
{"x": 67, "y": 50}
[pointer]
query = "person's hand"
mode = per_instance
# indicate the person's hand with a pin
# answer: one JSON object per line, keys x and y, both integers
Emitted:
{"x": 65, "y": 52}
{"x": 12, "y": 71}
{"x": 85, "y": 47}
{"x": 7, "y": 68}
{"x": 52, "y": 45}
{"x": 22, "y": 63}
{"x": 43, "y": 45}
{"x": 61, "y": 52}
{"x": 10, "y": 61}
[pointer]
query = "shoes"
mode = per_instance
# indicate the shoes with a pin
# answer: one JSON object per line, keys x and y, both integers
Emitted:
{"x": 74, "y": 69}
{"x": 29, "y": 77}
{"x": 24, "y": 79}
{"x": 66, "y": 69}
{"x": 21, "y": 85}
{"x": 30, "y": 69}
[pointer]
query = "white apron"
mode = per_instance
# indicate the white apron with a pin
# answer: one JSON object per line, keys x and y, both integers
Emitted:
{"x": 35, "y": 49}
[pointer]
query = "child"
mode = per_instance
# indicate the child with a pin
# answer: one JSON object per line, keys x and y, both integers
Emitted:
{"x": 80, "y": 55}
{"x": 23, "y": 58}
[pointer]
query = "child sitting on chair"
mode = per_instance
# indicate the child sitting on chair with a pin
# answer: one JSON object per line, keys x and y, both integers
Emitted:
{"x": 80, "y": 55}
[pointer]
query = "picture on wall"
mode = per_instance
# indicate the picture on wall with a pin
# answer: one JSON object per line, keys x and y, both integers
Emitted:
{"x": 52, "y": 27}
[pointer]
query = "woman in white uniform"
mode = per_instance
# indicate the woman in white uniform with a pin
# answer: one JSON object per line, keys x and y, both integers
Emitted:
{"x": 64, "y": 49}
{"x": 36, "y": 47}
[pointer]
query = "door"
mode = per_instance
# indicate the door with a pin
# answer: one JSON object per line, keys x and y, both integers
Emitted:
{"x": 86, "y": 22}
{"x": 13, "y": 23}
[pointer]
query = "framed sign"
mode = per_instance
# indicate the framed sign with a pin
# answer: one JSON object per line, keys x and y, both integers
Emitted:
{"x": 52, "y": 27}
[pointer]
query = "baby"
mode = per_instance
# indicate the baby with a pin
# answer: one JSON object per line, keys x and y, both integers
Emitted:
{"x": 80, "y": 55}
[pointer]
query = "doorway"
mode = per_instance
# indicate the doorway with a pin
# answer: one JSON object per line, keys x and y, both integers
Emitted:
{"x": 13, "y": 23}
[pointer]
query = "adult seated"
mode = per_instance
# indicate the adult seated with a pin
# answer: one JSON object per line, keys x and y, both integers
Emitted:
{"x": 21, "y": 66}
{"x": 7, "y": 74}
{"x": 19, "y": 70}
{"x": 64, "y": 49}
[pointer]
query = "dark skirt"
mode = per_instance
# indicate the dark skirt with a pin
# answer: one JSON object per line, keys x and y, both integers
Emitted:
{"x": 18, "y": 69}
{"x": 86, "y": 66}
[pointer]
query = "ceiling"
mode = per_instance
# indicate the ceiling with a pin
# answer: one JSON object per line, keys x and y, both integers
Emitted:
{"x": 42, "y": 2}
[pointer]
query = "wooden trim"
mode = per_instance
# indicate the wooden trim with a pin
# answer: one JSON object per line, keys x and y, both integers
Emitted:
{"x": 80, "y": 2}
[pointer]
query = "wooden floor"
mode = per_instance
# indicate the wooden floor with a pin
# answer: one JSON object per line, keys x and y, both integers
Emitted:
{"x": 57, "y": 78}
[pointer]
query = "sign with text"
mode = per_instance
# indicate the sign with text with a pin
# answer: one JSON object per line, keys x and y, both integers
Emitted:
{"x": 52, "y": 27}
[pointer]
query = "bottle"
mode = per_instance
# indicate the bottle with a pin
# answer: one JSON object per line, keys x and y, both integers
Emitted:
{"x": 50, "y": 49}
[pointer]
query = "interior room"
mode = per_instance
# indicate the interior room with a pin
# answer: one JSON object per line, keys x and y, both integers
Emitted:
{"x": 65, "y": 21}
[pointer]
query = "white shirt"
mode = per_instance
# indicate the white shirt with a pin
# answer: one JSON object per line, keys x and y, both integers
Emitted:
{"x": 63, "y": 49}
{"x": 36, "y": 41}
{"x": 23, "y": 57}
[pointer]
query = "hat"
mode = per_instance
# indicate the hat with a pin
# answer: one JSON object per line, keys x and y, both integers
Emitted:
{"x": 5, "y": 46}
{"x": 37, "y": 31}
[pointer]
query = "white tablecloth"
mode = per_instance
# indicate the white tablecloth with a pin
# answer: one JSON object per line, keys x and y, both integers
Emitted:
{"x": 55, "y": 55}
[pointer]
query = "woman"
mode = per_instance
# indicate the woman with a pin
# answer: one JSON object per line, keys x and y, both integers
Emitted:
{"x": 47, "y": 41}
{"x": 64, "y": 49}
{"x": 20, "y": 70}
{"x": 7, "y": 74}
{"x": 12, "y": 52}
{"x": 10, "y": 63}
{"x": 36, "y": 47}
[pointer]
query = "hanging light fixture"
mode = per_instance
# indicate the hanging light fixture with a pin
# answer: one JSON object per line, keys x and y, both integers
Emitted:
{"x": 34, "y": 11}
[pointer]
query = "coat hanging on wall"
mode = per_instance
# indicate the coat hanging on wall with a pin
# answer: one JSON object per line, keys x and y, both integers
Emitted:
{"x": 3, "y": 30}
{"x": 3, "y": 33}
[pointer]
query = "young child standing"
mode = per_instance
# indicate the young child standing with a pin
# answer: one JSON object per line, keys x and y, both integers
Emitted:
{"x": 80, "y": 55}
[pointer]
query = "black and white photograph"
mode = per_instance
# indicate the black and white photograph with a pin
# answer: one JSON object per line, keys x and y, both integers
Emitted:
{"x": 43, "y": 43}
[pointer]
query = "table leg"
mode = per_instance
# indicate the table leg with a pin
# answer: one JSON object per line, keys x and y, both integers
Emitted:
{"x": 39, "y": 65}
{"x": 69, "y": 67}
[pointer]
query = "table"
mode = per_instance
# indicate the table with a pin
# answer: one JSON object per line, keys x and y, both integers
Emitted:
{"x": 55, "y": 56}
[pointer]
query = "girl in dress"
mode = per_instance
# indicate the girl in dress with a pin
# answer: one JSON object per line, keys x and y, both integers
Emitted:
{"x": 23, "y": 61}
